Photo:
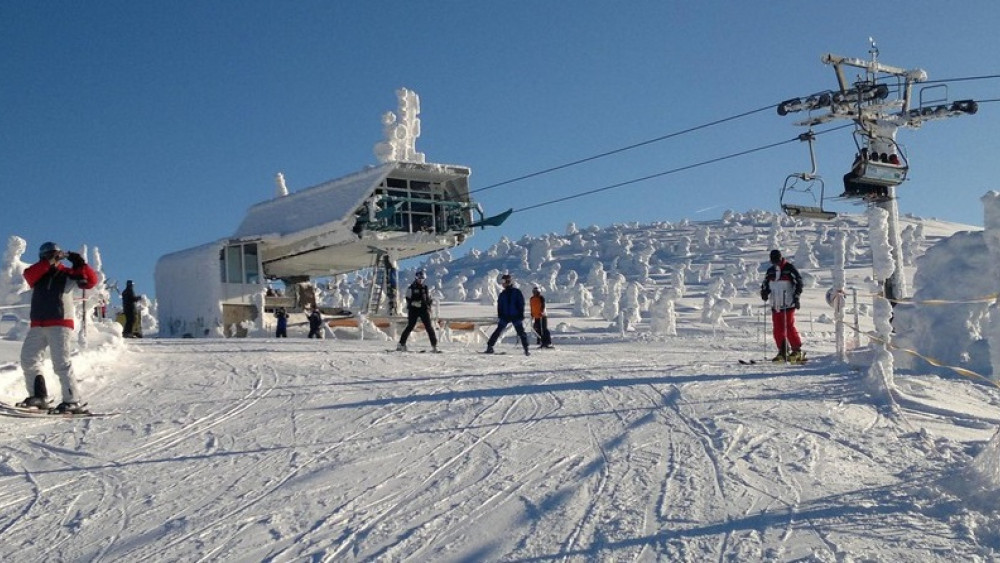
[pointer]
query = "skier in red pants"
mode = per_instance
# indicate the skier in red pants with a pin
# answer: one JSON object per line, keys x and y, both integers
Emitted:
{"x": 782, "y": 286}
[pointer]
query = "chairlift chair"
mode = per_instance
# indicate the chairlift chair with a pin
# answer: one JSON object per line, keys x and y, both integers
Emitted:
{"x": 795, "y": 187}
{"x": 882, "y": 160}
{"x": 880, "y": 164}
{"x": 800, "y": 184}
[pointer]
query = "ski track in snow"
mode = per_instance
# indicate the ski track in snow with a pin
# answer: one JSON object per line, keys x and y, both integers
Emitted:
{"x": 240, "y": 450}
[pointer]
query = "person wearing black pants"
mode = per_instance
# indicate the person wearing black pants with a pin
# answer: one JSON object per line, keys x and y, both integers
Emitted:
{"x": 129, "y": 301}
{"x": 510, "y": 310}
{"x": 539, "y": 320}
{"x": 418, "y": 308}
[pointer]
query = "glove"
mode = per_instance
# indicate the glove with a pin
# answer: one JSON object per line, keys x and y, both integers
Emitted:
{"x": 795, "y": 303}
{"x": 76, "y": 260}
{"x": 765, "y": 293}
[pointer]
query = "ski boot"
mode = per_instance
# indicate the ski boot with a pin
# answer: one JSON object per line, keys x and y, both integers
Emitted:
{"x": 526, "y": 352}
{"x": 70, "y": 408}
{"x": 782, "y": 354}
{"x": 489, "y": 350}
{"x": 400, "y": 347}
{"x": 40, "y": 403}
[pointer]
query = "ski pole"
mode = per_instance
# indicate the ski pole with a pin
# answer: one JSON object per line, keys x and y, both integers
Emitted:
{"x": 770, "y": 314}
{"x": 762, "y": 328}
{"x": 784, "y": 324}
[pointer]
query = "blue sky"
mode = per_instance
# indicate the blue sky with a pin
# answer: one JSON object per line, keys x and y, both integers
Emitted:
{"x": 143, "y": 128}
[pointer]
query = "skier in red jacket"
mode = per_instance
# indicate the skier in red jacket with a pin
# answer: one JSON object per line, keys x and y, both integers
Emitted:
{"x": 52, "y": 312}
{"x": 782, "y": 287}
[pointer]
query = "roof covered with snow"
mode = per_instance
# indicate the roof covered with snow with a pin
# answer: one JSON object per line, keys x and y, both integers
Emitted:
{"x": 312, "y": 207}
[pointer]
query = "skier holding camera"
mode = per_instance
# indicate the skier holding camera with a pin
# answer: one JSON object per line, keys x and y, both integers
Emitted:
{"x": 52, "y": 312}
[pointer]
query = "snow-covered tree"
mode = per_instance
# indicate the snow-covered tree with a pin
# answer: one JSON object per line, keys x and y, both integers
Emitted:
{"x": 912, "y": 239}
{"x": 614, "y": 290}
{"x": 572, "y": 278}
{"x": 677, "y": 280}
{"x": 991, "y": 234}
{"x": 683, "y": 247}
{"x": 879, "y": 380}
{"x": 13, "y": 288}
{"x": 539, "y": 252}
{"x": 805, "y": 256}
{"x": 583, "y": 301}
{"x": 776, "y": 236}
{"x": 702, "y": 238}
{"x": 597, "y": 279}
{"x": 663, "y": 316}
{"x": 719, "y": 309}
{"x": 454, "y": 289}
{"x": 501, "y": 249}
{"x": 630, "y": 303}
{"x": 713, "y": 294}
{"x": 487, "y": 288}
{"x": 550, "y": 275}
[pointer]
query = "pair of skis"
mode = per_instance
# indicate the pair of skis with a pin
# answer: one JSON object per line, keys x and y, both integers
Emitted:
{"x": 28, "y": 412}
{"x": 752, "y": 362}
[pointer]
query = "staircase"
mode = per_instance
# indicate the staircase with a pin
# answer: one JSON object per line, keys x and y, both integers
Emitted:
{"x": 379, "y": 290}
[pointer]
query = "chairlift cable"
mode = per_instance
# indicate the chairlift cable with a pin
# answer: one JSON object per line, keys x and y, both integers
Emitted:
{"x": 674, "y": 170}
{"x": 623, "y": 149}
{"x": 690, "y": 166}
{"x": 963, "y": 79}
{"x": 685, "y": 131}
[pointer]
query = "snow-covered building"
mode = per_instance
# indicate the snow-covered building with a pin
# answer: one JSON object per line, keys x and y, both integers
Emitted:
{"x": 370, "y": 219}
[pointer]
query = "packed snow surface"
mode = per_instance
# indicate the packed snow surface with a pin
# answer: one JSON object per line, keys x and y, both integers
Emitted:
{"x": 603, "y": 449}
{"x": 622, "y": 444}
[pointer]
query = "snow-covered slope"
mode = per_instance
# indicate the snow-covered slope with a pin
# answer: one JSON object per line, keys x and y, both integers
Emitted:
{"x": 614, "y": 446}
{"x": 709, "y": 270}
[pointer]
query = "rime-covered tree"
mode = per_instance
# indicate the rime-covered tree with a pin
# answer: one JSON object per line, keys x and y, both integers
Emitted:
{"x": 487, "y": 288}
{"x": 583, "y": 301}
{"x": 631, "y": 303}
{"x": 879, "y": 381}
{"x": 13, "y": 288}
{"x": 663, "y": 314}
{"x": 454, "y": 289}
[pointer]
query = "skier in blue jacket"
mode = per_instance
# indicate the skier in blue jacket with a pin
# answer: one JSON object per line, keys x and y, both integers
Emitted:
{"x": 510, "y": 310}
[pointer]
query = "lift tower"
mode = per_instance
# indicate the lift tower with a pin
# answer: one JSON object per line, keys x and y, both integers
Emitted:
{"x": 879, "y": 101}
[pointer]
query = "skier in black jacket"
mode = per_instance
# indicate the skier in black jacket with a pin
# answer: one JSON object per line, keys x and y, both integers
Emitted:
{"x": 129, "y": 300}
{"x": 418, "y": 307}
{"x": 315, "y": 323}
{"x": 52, "y": 323}
{"x": 782, "y": 287}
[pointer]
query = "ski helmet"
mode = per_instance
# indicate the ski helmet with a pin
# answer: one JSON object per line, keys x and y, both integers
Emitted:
{"x": 775, "y": 256}
{"x": 47, "y": 250}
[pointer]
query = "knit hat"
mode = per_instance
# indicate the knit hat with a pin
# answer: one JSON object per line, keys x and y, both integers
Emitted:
{"x": 775, "y": 256}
